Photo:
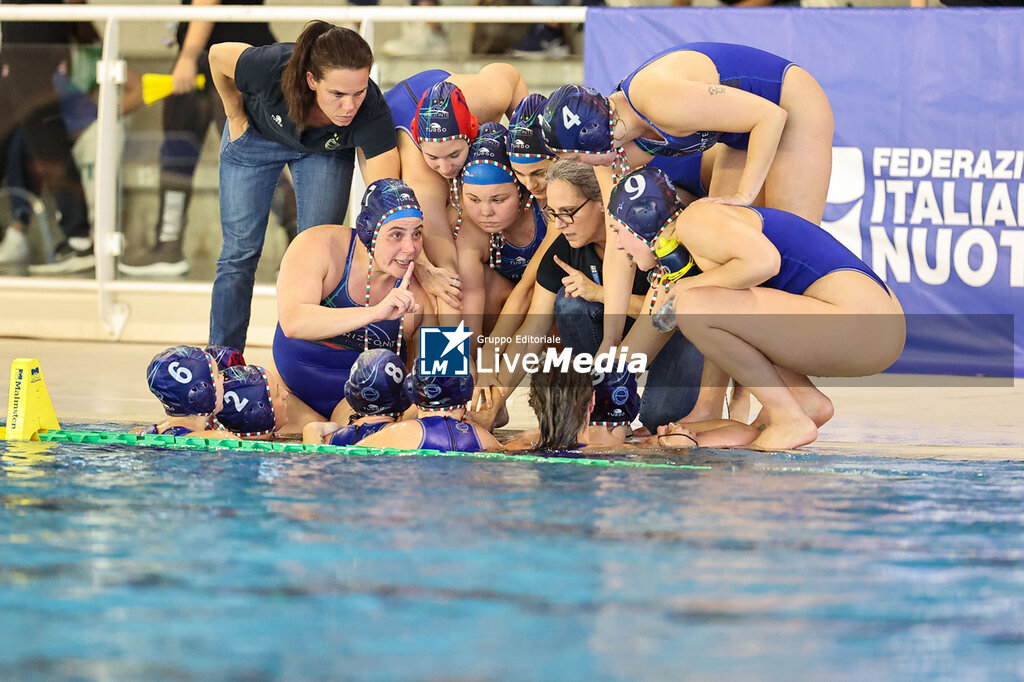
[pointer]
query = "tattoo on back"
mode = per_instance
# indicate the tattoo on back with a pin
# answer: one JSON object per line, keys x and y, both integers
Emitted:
{"x": 715, "y": 89}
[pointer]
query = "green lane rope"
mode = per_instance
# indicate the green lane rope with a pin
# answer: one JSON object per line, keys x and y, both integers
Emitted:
{"x": 197, "y": 443}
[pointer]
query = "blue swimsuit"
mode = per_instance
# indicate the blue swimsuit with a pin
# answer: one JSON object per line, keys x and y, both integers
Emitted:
{"x": 316, "y": 371}
{"x": 808, "y": 252}
{"x": 448, "y": 435}
{"x": 746, "y": 68}
{"x": 404, "y": 98}
{"x": 683, "y": 171}
{"x": 514, "y": 259}
{"x": 151, "y": 430}
{"x": 353, "y": 433}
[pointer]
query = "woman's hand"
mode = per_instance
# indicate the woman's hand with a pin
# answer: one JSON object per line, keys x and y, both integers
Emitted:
{"x": 442, "y": 283}
{"x": 399, "y": 300}
{"x": 237, "y": 126}
{"x": 184, "y": 74}
{"x": 578, "y": 285}
{"x": 676, "y": 436}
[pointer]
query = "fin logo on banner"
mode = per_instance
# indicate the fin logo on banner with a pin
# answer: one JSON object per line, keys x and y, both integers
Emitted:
{"x": 931, "y": 215}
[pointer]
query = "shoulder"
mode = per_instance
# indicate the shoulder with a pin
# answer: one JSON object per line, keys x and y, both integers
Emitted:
{"x": 262, "y": 65}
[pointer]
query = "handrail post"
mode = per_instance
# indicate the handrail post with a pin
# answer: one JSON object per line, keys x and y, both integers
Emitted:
{"x": 111, "y": 73}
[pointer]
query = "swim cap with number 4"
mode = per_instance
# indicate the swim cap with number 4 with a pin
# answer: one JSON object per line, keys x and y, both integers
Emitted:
{"x": 577, "y": 120}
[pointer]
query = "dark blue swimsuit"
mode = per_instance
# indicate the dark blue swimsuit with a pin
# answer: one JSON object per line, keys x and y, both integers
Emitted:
{"x": 448, "y": 435}
{"x": 514, "y": 259}
{"x": 683, "y": 171}
{"x": 353, "y": 433}
{"x": 404, "y": 98}
{"x": 151, "y": 430}
{"x": 746, "y": 68}
{"x": 808, "y": 252}
{"x": 316, "y": 371}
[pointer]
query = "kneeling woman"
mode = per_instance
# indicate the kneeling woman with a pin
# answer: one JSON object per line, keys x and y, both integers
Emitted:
{"x": 776, "y": 298}
{"x": 440, "y": 422}
{"x": 499, "y": 231}
{"x": 338, "y": 296}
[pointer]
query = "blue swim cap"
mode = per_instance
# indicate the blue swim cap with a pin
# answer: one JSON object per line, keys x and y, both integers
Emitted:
{"x": 487, "y": 162}
{"x": 182, "y": 380}
{"x": 525, "y": 142}
{"x": 385, "y": 200}
{"x": 376, "y": 383}
{"x": 226, "y": 356}
{"x": 248, "y": 409}
{"x": 442, "y": 114}
{"x": 439, "y": 393}
{"x": 578, "y": 120}
{"x": 645, "y": 201}
{"x": 616, "y": 400}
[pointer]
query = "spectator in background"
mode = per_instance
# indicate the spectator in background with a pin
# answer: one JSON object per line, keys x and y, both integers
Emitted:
{"x": 32, "y": 54}
{"x": 547, "y": 41}
{"x": 419, "y": 38}
{"x": 187, "y": 115}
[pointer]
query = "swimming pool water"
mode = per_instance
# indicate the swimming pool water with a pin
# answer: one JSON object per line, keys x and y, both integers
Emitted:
{"x": 132, "y": 563}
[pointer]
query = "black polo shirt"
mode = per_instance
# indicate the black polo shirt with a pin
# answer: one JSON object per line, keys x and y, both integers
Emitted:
{"x": 584, "y": 259}
{"x": 258, "y": 78}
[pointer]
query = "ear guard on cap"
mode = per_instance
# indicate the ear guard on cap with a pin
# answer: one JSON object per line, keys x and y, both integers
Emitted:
{"x": 577, "y": 120}
{"x": 675, "y": 259}
{"x": 376, "y": 384}
{"x": 248, "y": 409}
{"x": 181, "y": 378}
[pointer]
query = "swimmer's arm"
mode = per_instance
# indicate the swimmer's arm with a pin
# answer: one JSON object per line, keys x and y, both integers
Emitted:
{"x": 474, "y": 247}
{"x": 525, "y": 440}
{"x": 731, "y": 238}
{"x": 507, "y": 86}
{"x": 514, "y": 310}
{"x": 682, "y": 107}
{"x": 537, "y": 324}
{"x": 318, "y": 433}
{"x": 386, "y": 165}
{"x": 488, "y": 442}
{"x": 223, "y": 60}
{"x": 219, "y": 433}
{"x": 617, "y": 272}
{"x": 300, "y": 288}
{"x": 432, "y": 192}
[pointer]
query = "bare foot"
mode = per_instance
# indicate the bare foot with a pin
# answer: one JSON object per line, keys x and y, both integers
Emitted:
{"x": 813, "y": 402}
{"x": 786, "y": 435}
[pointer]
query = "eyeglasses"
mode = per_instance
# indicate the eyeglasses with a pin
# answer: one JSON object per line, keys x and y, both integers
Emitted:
{"x": 565, "y": 218}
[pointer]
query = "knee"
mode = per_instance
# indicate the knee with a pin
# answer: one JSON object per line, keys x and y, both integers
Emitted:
{"x": 694, "y": 306}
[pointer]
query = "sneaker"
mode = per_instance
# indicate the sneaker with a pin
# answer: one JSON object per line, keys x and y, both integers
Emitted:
{"x": 542, "y": 41}
{"x": 417, "y": 40}
{"x": 165, "y": 260}
{"x": 74, "y": 255}
{"x": 14, "y": 248}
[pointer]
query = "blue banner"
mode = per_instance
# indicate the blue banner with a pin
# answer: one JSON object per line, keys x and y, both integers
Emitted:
{"x": 928, "y": 152}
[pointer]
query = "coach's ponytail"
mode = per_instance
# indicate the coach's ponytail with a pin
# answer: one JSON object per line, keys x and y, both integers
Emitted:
{"x": 318, "y": 49}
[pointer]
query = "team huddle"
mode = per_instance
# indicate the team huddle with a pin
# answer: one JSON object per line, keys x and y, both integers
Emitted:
{"x": 678, "y": 217}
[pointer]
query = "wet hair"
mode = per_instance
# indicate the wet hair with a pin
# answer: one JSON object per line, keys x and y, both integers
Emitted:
{"x": 320, "y": 48}
{"x": 561, "y": 401}
{"x": 579, "y": 175}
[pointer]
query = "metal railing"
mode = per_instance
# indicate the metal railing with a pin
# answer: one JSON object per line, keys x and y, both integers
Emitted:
{"x": 111, "y": 74}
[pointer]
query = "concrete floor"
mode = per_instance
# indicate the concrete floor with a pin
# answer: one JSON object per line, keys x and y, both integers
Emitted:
{"x": 891, "y": 415}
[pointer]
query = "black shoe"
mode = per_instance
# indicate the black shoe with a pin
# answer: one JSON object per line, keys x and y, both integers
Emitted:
{"x": 68, "y": 260}
{"x": 541, "y": 41}
{"x": 165, "y": 260}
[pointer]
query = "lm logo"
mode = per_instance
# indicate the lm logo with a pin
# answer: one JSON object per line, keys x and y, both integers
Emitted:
{"x": 444, "y": 351}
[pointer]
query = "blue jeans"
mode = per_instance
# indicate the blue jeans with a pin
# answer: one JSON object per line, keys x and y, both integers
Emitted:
{"x": 673, "y": 378}
{"x": 249, "y": 170}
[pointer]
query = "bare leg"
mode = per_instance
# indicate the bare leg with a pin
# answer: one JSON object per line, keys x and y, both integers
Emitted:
{"x": 713, "y": 382}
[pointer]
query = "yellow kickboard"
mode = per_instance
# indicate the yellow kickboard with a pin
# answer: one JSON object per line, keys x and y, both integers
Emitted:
{"x": 29, "y": 408}
{"x": 156, "y": 86}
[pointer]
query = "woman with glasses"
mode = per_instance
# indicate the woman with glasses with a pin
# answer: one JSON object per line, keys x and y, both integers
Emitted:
{"x": 570, "y": 292}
